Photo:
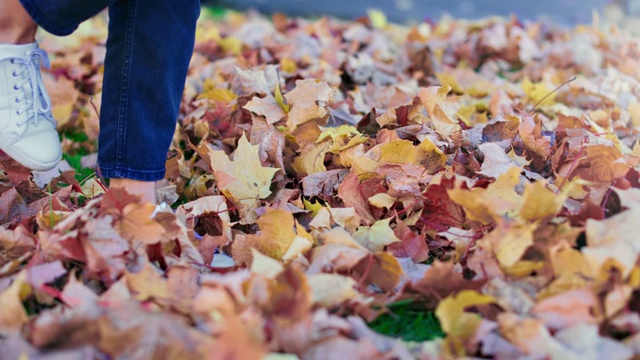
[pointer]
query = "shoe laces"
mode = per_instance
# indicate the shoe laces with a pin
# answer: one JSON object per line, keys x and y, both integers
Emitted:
{"x": 39, "y": 104}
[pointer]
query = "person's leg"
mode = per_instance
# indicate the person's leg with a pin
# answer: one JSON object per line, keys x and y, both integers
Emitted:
{"x": 16, "y": 26}
{"x": 27, "y": 128}
{"x": 148, "y": 53}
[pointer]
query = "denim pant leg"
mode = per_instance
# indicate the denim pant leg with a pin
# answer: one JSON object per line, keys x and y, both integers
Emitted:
{"x": 148, "y": 52}
{"x": 149, "y": 47}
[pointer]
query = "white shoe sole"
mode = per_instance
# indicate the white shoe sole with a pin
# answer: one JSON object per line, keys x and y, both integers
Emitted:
{"x": 30, "y": 163}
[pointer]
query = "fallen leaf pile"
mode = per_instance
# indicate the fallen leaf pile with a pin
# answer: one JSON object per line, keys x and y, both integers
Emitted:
{"x": 344, "y": 166}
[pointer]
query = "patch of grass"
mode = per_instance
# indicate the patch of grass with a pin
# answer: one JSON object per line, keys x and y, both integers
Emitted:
{"x": 74, "y": 159}
{"x": 214, "y": 12}
{"x": 82, "y": 173}
{"x": 408, "y": 322}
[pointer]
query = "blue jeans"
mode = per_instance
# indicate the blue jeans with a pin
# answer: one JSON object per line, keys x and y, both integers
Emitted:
{"x": 148, "y": 52}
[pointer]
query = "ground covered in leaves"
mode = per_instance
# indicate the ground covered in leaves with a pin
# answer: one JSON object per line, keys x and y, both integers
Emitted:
{"x": 356, "y": 172}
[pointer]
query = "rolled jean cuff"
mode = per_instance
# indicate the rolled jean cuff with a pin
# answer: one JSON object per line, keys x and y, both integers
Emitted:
{"x": 141, "y": 175}
{"x": 41, "y": 19}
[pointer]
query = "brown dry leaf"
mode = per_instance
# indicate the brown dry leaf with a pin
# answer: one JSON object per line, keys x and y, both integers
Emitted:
{"x": 601, "y": 163}
{"x": 432, "y": 286}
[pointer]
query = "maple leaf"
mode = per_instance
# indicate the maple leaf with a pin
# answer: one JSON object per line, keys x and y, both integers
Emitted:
{"x": 410, "y": 244}
{"x": 453, "y": 318}
{"x": 535, "y": 92}
{"x": 377, "y": 236}
{"x": 398, "y": 152}
{"x": 490, "y": 204}
{"x": 136, "y": 223}
{"x": 509, "y": 241}
{"x": 242, "y": 180}
{"x": 148, "y": 283}
{"x": 267, "y": 107}
{"x": 540, "y": 202}
{"x": 307, "y": 101}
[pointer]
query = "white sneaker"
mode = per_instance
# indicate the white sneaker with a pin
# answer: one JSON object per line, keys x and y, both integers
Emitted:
{"x": 27, "y": 128}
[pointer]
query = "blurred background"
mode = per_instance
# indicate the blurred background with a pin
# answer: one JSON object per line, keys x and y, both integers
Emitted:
{"x": 562, "y": 12}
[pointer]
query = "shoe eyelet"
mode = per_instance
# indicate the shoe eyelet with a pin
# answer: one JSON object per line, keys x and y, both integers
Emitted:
{"x": 17, "y": 101}
{"x": 13, "y": 61}
{"x": 15, "y": 87}
{"x": 14, "y": 74}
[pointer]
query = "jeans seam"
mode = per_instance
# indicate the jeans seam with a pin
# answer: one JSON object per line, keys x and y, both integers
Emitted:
{"x": 117, "y": 168}
{"x": 124, "y": 90}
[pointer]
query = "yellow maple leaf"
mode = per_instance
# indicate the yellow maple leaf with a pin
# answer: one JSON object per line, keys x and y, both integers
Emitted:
{"x": 398, "y": 152}
{"x": 430, "y": 155}
{"x": 219, "y": 95}
{"x": 454, "y": 320}
{"x": 491, "y": 204}
{"x": 377, "y": 236}
{"x": 242, "y": 180}
{"x": 539, "y": 202}
{"x": 509, "y": 241}
{"x": 277, "y": 238}
{"x": 276, "y": 230}
{"x": 634, "y": 110}
{"x": 343, "y": 137}
{"x": 311, "y": 160}
{"x": 535, "y": 92}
